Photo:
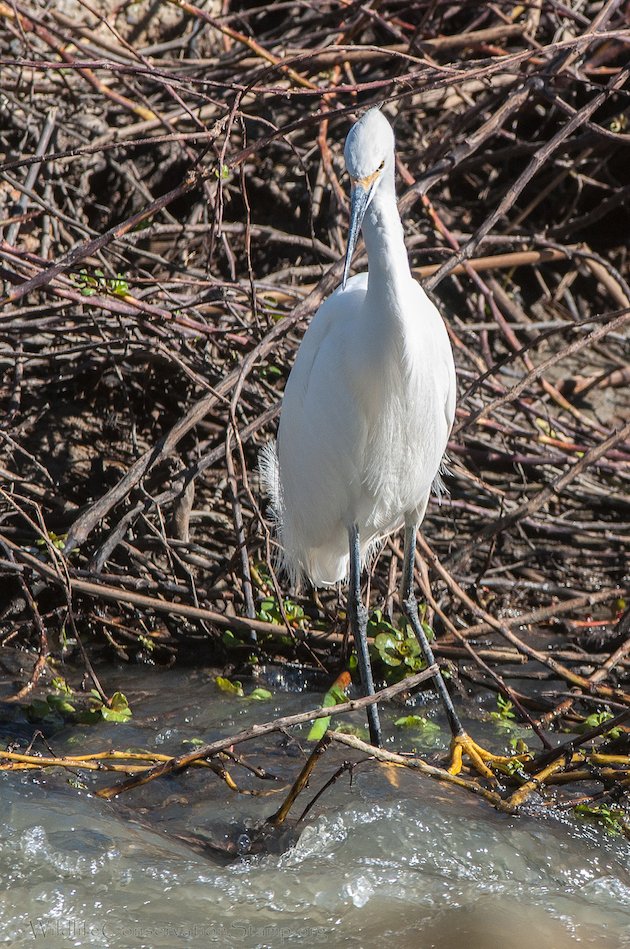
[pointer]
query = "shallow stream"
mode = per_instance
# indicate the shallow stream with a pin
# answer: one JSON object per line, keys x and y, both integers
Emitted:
{"x": 386, "y": 859}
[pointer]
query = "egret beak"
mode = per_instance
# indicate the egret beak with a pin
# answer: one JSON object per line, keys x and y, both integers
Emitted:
{"x": 359, "y": 200}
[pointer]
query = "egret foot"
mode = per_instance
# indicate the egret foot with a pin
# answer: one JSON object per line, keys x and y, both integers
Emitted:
{"x": 464, "y": 745}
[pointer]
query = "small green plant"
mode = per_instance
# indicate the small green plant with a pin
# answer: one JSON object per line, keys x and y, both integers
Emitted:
{"x": 96, "y": 282}
{"x": 51, "y": 708}
{"x": 594, "y": 720}
{"x": 232, "y": 688}
{"x": 519, "y": 746}
{"x": 236, "y": 688}
{"x": 230, "y": 640}
{"x": 60, "y": 685}
{"x": 613, "y": 819}
{"x": 398, "y": 649}
{"x": 347, "y": 728}
{"x": 504, "y": 720}
{"x": 58, "y": 706}
{"x": 65, "y": 640}
{"x": 259, "y": 695}
{"x": 116, "y": 710}
{"x": 428, "y": 731}
{"x": 270, "y": 372}
{"x": 514, "y": 766}
{"x": 619, "y": 123}
{"x": 504, "y": 717}
{"x": 77, "y": 784}
{"x": 58, "y": 541}
{"x": 269, "y": 611}
{"x": 336, "y": 695}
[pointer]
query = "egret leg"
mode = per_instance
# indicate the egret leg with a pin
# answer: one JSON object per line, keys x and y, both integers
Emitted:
{"x": 461, "y": 743}
{"x": 358, "y": 623}
{"x": 410, "y": 606}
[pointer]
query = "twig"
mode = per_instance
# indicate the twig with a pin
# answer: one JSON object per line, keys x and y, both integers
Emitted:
{"x": 257, "y": 731}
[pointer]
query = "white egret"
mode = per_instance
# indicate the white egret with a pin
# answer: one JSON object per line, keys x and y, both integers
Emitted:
{"x": 366, "y": 414}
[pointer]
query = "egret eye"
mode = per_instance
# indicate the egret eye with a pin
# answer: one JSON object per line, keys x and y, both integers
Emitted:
{"x": 381, "y": 166}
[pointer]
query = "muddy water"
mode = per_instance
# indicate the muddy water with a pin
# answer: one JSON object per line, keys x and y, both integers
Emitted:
{"x": 385, "y": 860}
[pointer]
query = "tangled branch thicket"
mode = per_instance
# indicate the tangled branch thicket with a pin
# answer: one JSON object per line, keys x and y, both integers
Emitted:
{"x": 173, "y": 212}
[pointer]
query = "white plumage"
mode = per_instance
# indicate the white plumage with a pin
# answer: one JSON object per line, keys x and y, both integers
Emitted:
{"x": 370, "y": 400}
{"x": 366, "y": 415}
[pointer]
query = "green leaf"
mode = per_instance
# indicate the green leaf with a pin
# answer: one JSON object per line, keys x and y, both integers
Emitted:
{"x": 270, "y": 612}
{"x": 58, "y": 541}
{"x": 109, "y": 715}
{"x": 38, "y": 710}
{"x": 318, "y": 729}
{"x": 418, "y": 723}
{"x": 89, "y": 716}
{"x": 414, "y": 663}
{"x": 60, "y": 704}
{"x": 387, "y": 646}
{"x": 513, "y": 766}
{"x": 346, "y": 728}
{"x": 598, "y": 718}
{"x": 118, "y": 286}
{"x": 260, "y": 695}
{"x": 271, "y": 372}
{"x": 61, "y": 685}
{"x": 377, "y": 624}
{"x": 77, "y": 784}
{"x": 518, "y": 745}
{"x": 410, "y": 648}
{"x": 334, "y": 696}
{"x": 410, "y": 721}
{"x": 612, "y": 818}
{"x": 505, "y": 719}
{"x": 505, "y": 716}
{"x": 504, "y": 724}
{"x": 232, "y": 688}
{"x": 118, "y": 709}
{"x": 398, "y": 649}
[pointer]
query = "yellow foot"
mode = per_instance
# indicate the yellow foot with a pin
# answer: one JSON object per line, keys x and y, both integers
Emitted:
{"x": 464, "y": 745}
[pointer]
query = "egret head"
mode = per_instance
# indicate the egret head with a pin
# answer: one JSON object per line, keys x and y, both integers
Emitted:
{"x": 369, "y": 154}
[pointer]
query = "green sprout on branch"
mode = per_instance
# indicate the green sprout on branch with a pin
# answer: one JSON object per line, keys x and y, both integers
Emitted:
{"x": 97, "y": 282}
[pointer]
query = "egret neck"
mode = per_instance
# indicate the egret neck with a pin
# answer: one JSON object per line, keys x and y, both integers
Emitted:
{"x": 388, "y": 265}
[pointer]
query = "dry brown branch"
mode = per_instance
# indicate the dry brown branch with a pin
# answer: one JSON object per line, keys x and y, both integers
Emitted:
{"x": 173, "y": 212}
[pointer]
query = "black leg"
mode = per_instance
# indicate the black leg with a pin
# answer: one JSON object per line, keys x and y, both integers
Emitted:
{"x": 358, "y": 623}
{"x": 410, "y": 606}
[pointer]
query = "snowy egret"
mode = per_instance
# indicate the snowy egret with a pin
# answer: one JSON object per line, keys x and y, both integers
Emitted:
{"x": 366, "y": 414}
